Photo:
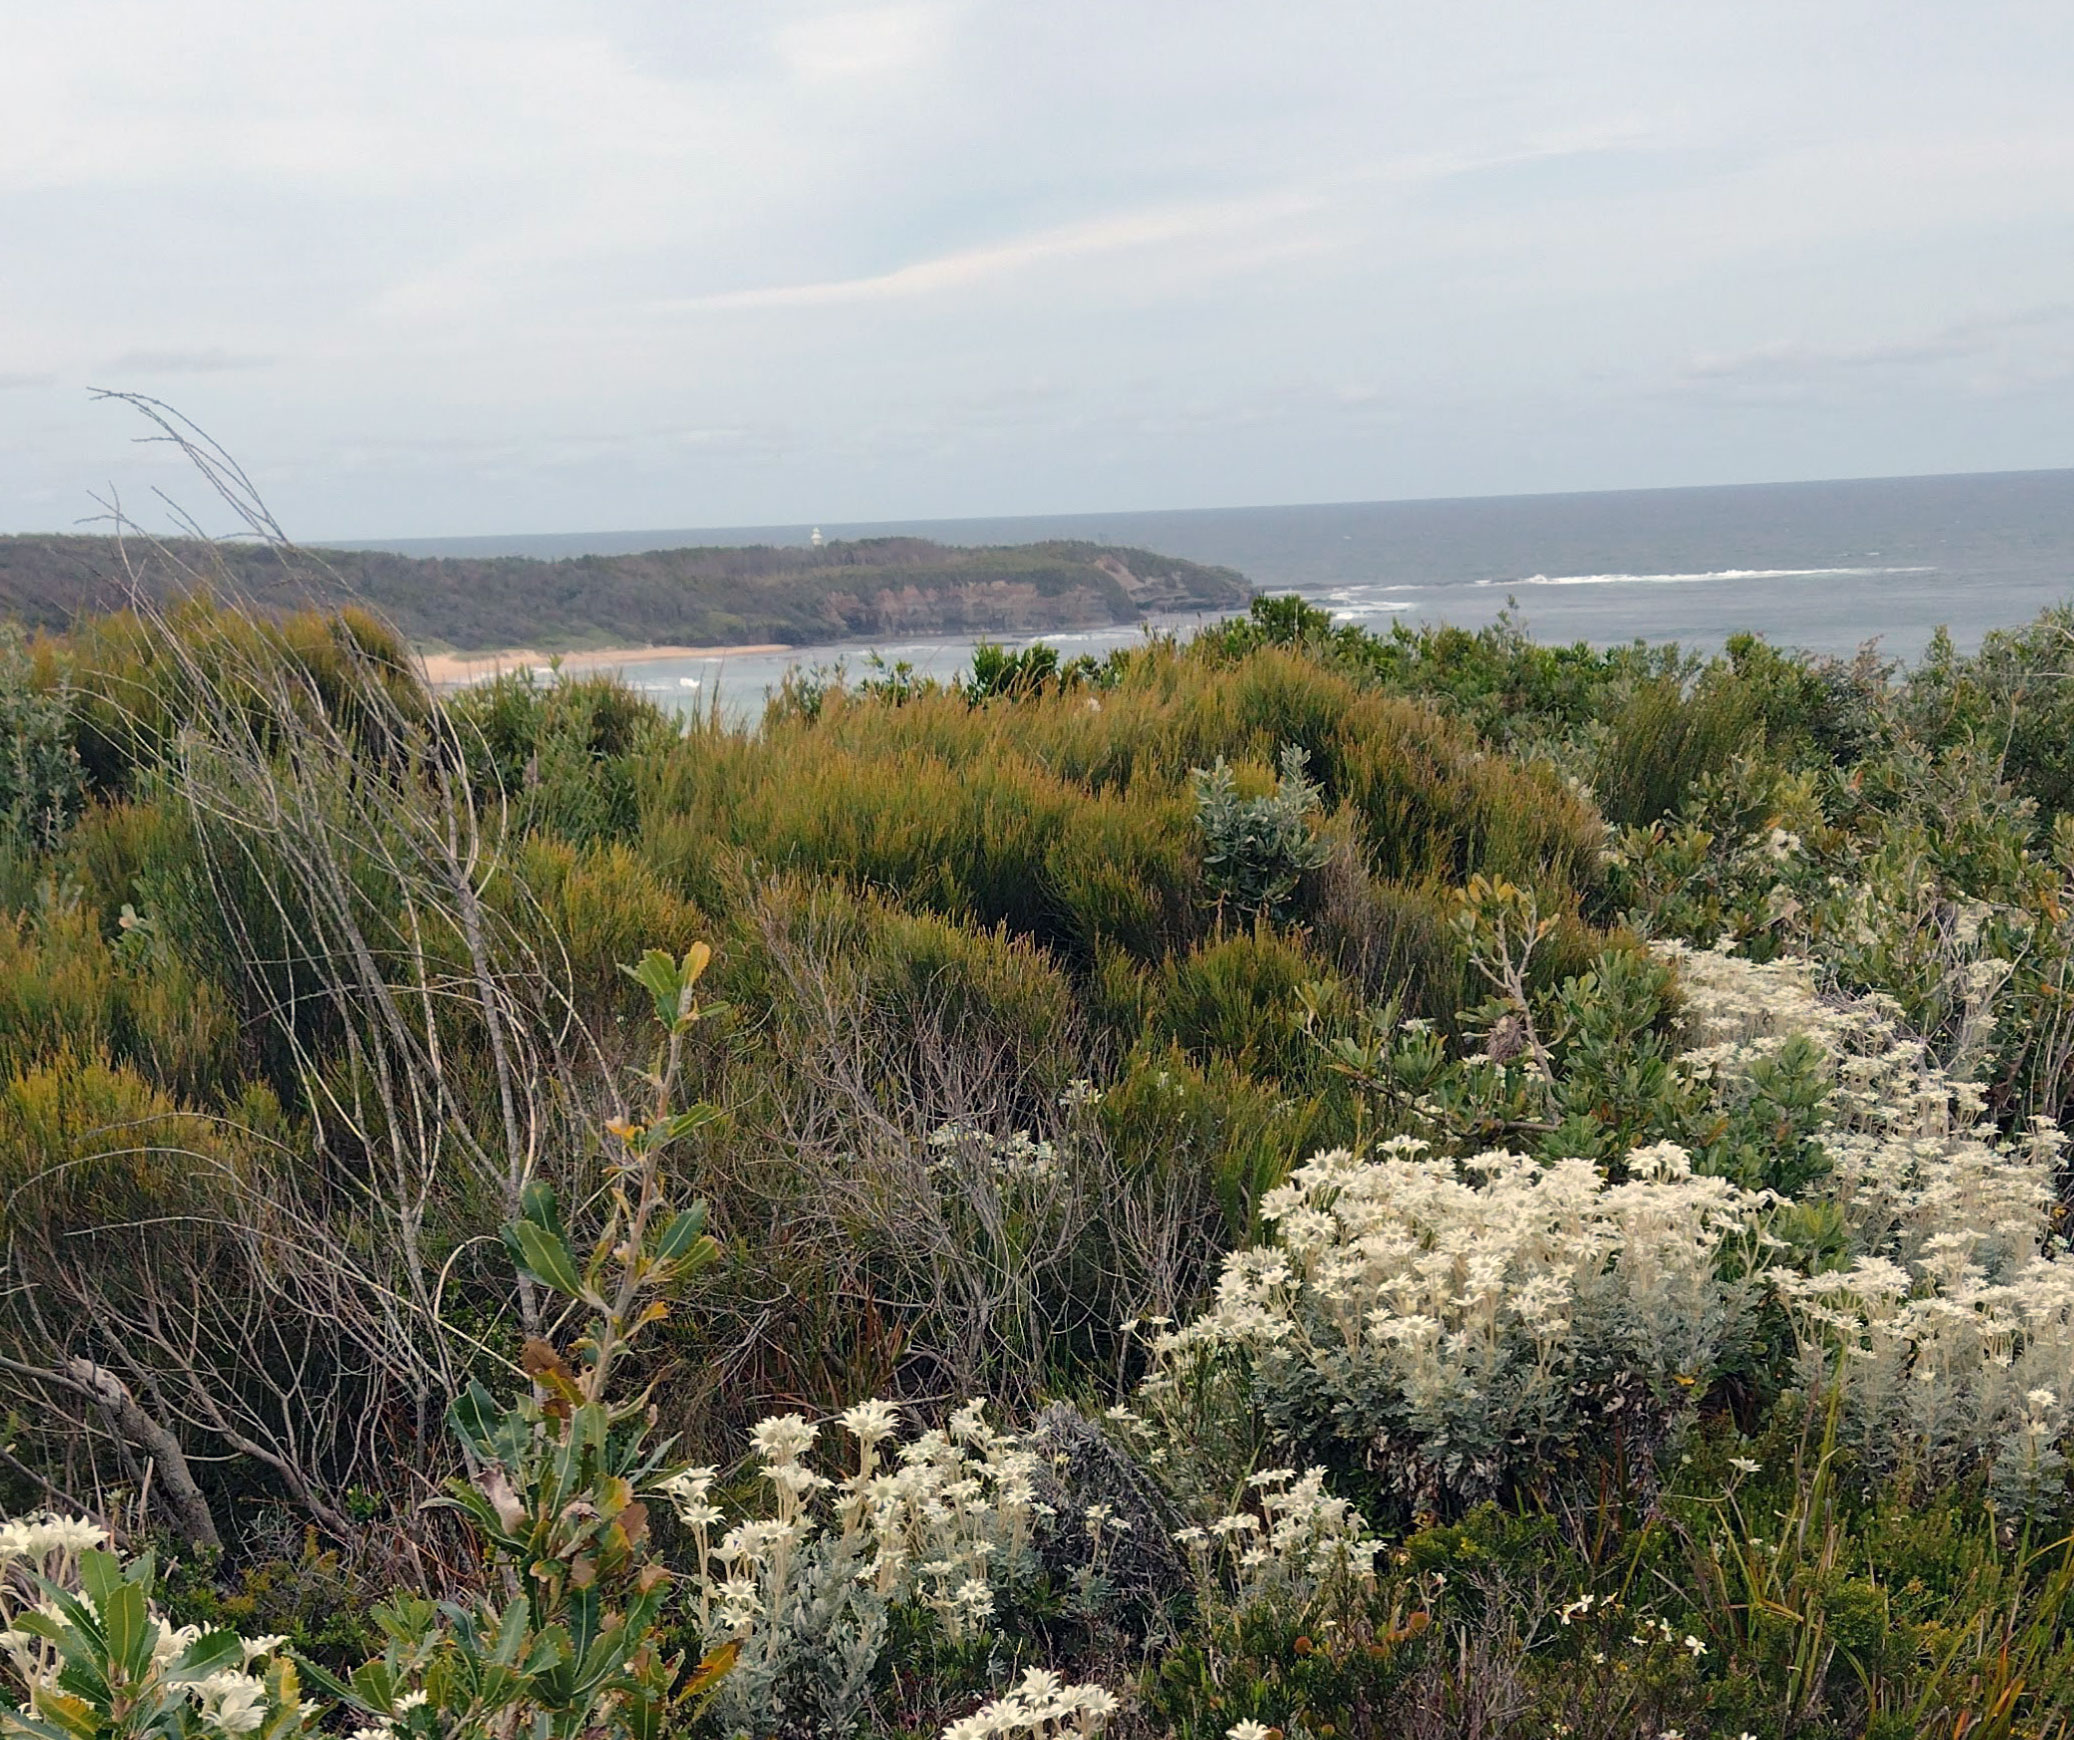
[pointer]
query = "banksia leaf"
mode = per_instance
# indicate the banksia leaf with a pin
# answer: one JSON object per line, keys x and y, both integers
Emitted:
{"x": 544, "y": 1258}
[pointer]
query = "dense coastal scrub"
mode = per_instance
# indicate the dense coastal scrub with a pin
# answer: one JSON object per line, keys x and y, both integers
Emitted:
{"x": 1297, "y": 1181}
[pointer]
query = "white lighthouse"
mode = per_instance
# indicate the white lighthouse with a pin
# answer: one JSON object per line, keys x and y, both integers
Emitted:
{"x": 816, "y": 540}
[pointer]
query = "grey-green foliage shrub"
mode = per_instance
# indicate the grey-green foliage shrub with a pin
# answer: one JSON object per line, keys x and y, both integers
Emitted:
{"x": 824, "y": 1647}
{"x": 1256, "y": 850}
{"x": 1615, "y": 1080}
{"x": 1463, "y": 1331}
{"x": 40, "y": 780}
{"x": 1920, "y": 870}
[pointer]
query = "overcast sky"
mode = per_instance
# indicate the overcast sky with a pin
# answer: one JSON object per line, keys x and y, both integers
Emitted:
{"x": 448, "y": 267}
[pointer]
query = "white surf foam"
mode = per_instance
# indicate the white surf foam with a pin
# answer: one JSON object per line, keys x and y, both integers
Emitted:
{"x": 1694, "y": 579}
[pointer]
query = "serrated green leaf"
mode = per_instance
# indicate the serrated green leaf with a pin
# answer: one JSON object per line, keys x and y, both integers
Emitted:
{"x": 375, "y": 1686}
{"x": 21, "y": 1723}
{"x": 72, "y": 1717}
{"x": 512, "y": 1628}
{"x": 326, "y": 1681}
{"x": 284, "y": 1689}
{"x": 474, "y": 1417}
{"x": 537, "y": 1203}
{"x": 100, "y": 1575}
{"x": 130, "y": 1630}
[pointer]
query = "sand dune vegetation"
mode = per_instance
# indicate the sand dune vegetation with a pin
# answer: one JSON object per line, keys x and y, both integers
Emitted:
{"x": 1294, "y": 1182}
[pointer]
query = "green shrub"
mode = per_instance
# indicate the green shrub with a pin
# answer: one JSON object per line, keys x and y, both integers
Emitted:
{"x": 1236, "y": 1000}
{"x": 85, "y": 1142}
{"x": 1663, "y": 739}
{"x": 592, "y": 907}
{"x": 564, "y": 754}
{"x": 136, "y": 681}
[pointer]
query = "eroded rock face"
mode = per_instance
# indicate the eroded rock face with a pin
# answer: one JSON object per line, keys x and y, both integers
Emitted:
{"x": 1080, "y": 1469}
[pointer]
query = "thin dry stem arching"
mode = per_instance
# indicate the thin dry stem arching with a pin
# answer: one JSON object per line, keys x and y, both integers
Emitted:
{"x": 382, "y": 948}
{"x": 979, "y": 1263}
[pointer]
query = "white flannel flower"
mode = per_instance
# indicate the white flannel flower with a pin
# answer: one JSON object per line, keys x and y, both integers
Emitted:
{"x": 782, "y": 1438}
{"x": 232, "y": 1703}
{"x": 870, "y": 1422}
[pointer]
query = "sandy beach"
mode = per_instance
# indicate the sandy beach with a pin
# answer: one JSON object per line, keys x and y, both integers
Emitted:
{"x": 453, "y": 669}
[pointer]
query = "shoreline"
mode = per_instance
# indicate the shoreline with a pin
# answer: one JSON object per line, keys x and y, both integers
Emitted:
{"x": 453, "y": 670}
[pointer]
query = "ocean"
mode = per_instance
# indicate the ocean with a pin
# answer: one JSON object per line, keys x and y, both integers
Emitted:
{"x": 1824, "y": 566}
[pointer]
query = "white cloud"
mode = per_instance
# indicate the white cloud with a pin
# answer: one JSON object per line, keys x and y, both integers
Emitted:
{"x": 867, "y": 43}
{"x": 1124, "y": 233}
{"x": 1991, "y": 352}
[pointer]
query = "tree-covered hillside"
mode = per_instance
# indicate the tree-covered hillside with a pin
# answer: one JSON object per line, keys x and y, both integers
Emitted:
{"x": 694, "y": 597}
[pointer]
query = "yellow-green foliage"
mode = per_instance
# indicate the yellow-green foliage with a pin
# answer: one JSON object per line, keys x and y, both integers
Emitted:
{"x": 1662, "y": 739}
{"x": 64, "y": 986}
{"x": 88, "y": 1142}
{"x": 996, "y": 841}
{"x": 131, "y": 690}
{"x": 1068, "y": 816}
{"x": 1236, "y": 999}
{"x": 1208, "y": 1130}
{"x": 561, "y": 756}
{"x": 906, "y": 974}
{"x": 596, "y": 907}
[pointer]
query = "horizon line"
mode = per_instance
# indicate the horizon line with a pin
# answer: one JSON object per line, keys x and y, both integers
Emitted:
{"x": 390, "y": 540}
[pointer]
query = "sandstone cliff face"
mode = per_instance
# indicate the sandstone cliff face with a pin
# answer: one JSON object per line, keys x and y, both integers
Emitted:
{"x": 1007, "y": 606}
{"x": 1106, "y": 592}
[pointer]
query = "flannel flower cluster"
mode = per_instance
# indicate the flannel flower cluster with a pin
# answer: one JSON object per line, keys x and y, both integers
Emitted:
{"x": 941, "y": 1522}
{"x": 1042, "y": 1707}
{"x": 949, "y": 1516}
{"x": 1948, "y": 1331}
{"x": 1301, "y": 1540}
{"x": 1456, "y": 1312}
{"x": 229, "y": 1685}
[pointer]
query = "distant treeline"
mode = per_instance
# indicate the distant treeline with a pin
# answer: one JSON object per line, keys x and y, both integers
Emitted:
{"x": 708, "y": 596}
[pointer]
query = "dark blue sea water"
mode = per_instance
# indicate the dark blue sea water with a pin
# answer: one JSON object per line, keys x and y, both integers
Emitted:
{"x": 1827, "y": 566}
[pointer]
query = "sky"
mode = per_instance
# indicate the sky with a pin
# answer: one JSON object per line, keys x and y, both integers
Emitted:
{"x": 513, "y": 267}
